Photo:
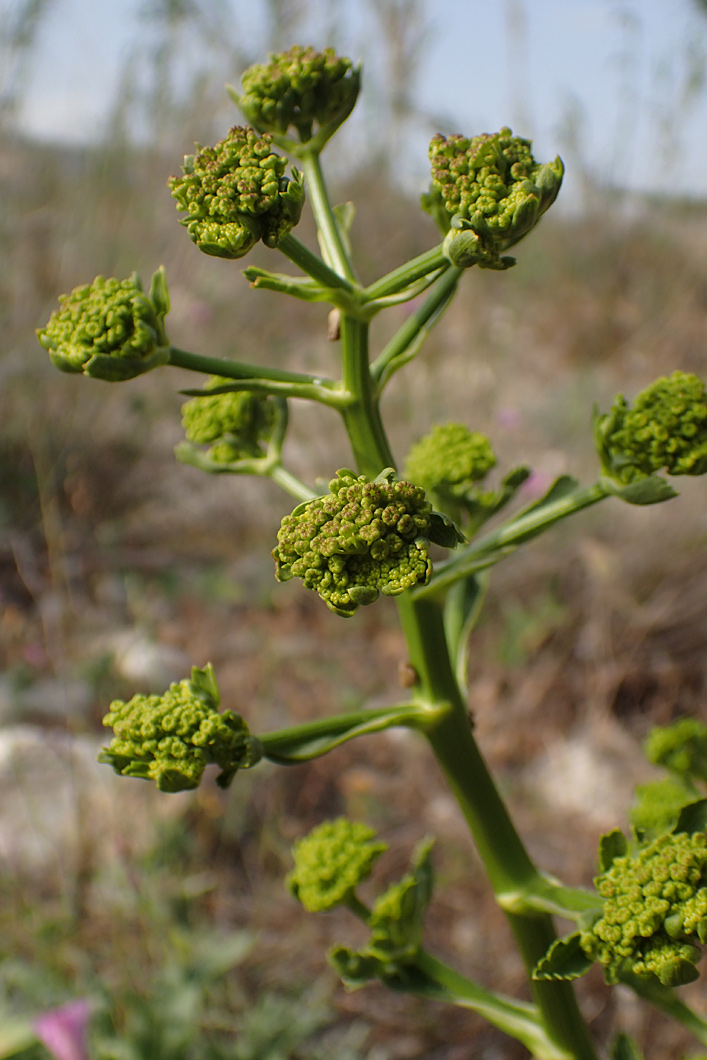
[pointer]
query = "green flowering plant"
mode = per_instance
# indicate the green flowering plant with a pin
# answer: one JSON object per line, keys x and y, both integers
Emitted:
{"x": 427, "y": 532}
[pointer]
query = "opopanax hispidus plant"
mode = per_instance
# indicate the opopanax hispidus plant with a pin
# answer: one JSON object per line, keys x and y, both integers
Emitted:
{"x": 370, "y": 533}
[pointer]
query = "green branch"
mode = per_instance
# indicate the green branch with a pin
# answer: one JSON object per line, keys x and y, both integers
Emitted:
{"x": 258, "y": 378}
{"x": 430, "y": 262}
{"x": 300, "y": 743}
{"x": 495, "y": 546}
{"x": 409, "y": 339}
{"x": 333, "y": 246}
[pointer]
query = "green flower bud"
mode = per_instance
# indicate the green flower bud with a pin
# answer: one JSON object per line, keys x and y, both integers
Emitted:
{"x": 493, "y": 193}
{"x": 236, "y": 193}
{"x": 655, "y": 911}
{"x": 110, "y": 329}
{"x": 665, "y": 430}
{"x": 300, "y": 88}
{"x": 238, "y": 422}
{"x": 450, "y": 459}
{"x": 359, "y": 540}
{"x": 172, "y": 738}
{"x": 331, "y": 861}
{"x": 680, "y": 747}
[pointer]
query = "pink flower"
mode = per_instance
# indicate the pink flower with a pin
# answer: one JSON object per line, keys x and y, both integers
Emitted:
{"x": 537, "y": 484}
{"x": 63, "y": 1030}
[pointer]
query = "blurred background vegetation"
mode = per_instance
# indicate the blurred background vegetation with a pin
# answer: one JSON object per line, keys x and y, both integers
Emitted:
{"x": 120, "y": 568}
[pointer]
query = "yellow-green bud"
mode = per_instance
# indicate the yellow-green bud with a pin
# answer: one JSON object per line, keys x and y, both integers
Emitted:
{"x": 237, "y": 423}
{"x": 310, "y": 91}
{"x": 331, "y": 861}
{"x": 488, "y": 192}
{"x": 236, "y": 193}
{"x": 109, "y": 329}
{"x": 664, "y": 430}
{"x": 173, "y": 737}
{"x": 359, "y": 540}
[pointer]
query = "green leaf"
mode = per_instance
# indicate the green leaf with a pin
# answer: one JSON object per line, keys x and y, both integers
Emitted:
{"x": 693, "y": 818}
{"x": 444, "y": 532}
{"x": 204, "y": 683}
{"x": 564, "y": 960}
{"x": 344, "y": 212}
{"x": 16, "y": 1036}
{"x": 650, "y": 490}
{"x": 625, "y": 1048}
{"x": 158, "y": 294}
{"x": 612, "y": 845}
{"x": 461, "y": 611}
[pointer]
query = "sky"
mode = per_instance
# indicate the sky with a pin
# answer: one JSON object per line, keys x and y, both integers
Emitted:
{"x": 600, "y": 81}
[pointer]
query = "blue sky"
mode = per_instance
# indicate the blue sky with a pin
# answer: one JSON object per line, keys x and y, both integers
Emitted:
{"x": 611, "y": 71}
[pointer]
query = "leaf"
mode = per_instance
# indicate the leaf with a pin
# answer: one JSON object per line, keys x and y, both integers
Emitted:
{"x": 650, "y": 490}
{"x": 693, "y": 818}
{"x": 443, "y": 532}
{"x": 204, "y": 683}
{"x": 612, "y": 845}
{"x": 564, "y": 960}
{"x": 462, "y": 609}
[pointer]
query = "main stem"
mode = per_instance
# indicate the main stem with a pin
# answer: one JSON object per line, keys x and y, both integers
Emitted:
{"x": 507, "y": 861}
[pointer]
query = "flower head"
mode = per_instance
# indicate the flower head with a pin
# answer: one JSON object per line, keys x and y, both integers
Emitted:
{"x": 62, "y": 1031}
{"x": 488, "y": 192}
{"x": 331, "y": 861}
{"x": 361, "y": 539}
{"x": 450, "y": 459}
{"x": 654, "y": 915}
{"x": 664, "y": 430}
{"x": 302, "y": 89}
{"x": 236, "y": 193}
{"x": 173, "y": 737}
{"x": 109, "y": 329}
{"x": 235, "y": 424}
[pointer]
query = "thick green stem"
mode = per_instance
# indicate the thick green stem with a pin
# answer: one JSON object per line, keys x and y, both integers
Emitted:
{"x": 508, "y": 863}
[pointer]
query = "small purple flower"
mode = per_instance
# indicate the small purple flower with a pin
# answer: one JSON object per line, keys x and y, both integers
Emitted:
{"x": 537, "y": 484}
{"x": 63, "y": 1030}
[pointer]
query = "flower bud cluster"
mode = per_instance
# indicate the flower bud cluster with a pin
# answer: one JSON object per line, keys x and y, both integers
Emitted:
{"x": 680, "y": 747}
{"x": 173, "y": 737}
{"x": 299, "y": 87}
{"x": 655, "y": 911}
{"x": 237, "y": 422}
{"x": 665, "y": 430}
{"x": 361, "y": 539}
{"x": 331, "y": 861}
{"x": 109, "y": 329}
{"x": 236, "y": 193}
{"x": 493, "y": 192}
{"x": 450, "y": 459}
